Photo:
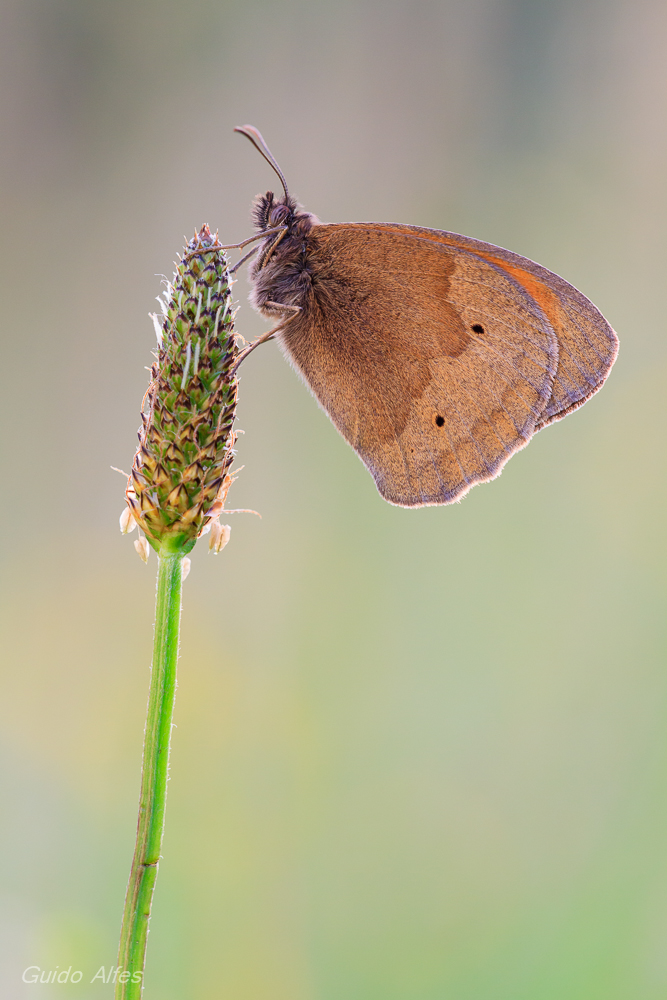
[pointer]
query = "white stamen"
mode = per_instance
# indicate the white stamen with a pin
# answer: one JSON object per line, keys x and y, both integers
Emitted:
{"x": 188, "y": 358}
{"x": 158, "y": 328}
{"x": 219, "y": 537}
{"x": 127, "y": 522}
{"x": 141, "y": 545}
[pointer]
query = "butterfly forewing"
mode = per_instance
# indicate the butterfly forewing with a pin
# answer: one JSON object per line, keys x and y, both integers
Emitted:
{"x": 587, "y": 345}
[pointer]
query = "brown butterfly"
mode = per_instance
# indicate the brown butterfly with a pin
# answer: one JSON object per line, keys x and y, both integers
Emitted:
{"x": 435, "y": 355}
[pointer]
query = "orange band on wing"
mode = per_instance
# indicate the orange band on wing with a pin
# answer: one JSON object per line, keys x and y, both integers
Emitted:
{"x": 544, "y": 297}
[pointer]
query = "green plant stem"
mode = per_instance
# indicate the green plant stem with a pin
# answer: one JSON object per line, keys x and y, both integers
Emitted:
{"x": 152, "y": 802}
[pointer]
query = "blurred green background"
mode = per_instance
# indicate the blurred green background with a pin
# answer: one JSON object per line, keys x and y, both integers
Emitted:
{"x": 420, "y": 755}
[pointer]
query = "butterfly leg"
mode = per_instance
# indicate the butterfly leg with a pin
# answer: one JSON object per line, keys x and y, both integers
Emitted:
{"x": 293, "y": 312}
{"x": 202, "y": 248}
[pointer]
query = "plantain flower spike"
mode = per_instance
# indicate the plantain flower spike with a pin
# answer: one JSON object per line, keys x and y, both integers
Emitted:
{"x": 181, "y": 471}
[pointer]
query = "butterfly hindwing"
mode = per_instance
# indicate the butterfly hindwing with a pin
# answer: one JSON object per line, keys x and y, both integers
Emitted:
{"x": 435, "y": 373}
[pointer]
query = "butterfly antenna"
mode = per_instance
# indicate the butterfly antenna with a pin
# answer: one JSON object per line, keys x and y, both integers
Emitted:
{"x": 255, "y": 136}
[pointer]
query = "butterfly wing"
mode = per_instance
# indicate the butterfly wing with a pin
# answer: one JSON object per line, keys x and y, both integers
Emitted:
{"x": 435, "y": 360}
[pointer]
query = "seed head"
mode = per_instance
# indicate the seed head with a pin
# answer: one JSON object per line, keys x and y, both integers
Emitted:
{"x": 181, "y": 471}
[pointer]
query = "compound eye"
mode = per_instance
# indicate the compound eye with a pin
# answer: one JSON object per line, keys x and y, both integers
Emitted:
{"x": 277, "y": 215}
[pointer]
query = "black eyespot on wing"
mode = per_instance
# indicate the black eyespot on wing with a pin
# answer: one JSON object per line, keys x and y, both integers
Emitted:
{"x": 477, "y": 328}
{"x": 438, "y": 420}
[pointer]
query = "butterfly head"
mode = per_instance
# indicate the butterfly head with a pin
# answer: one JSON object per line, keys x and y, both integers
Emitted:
{"x": 280, "y": 217}
{"x": 269, "y": 212}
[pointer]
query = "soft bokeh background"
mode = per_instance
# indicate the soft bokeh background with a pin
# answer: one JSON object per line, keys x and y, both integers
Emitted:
{"x": 420, "y": 755}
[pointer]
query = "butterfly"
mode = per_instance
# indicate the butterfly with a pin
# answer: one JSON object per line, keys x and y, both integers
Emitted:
{"x": 436, "y": 356}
